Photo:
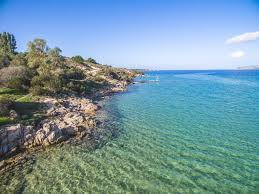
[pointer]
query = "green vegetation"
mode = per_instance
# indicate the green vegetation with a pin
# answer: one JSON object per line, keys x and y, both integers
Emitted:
{"x": 18, "y": 102}
{"x": 16, "y": 77}
{"x": 7, "y": 43}
{"x": 44, "y": 71}
{"x": 78, "y": 59}
{"x": 5, "y": 120}
{"x": 5, "y": 105}
{"x": 90, "y": 60}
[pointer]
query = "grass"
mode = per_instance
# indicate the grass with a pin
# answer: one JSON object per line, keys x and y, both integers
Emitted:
{"x": 26, "y": 105}
{"x": 4, "y": 120}
{"x": 12, "y": 94}
{"x": 26, "y": 98}
{"x": 11, "y": 91}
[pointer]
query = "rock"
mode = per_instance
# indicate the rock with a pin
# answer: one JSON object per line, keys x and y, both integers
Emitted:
{"x": 4, "y": 149}
{"x": 82, "y": 134}
{"x": 11, "y": 138}
{"x": 49, "y": 126}
{"x": 14, "y": 133}
{"x": 68, "y": 117}
{"x": 39, "y": 138}
{"x": 74, "y": 118}
{"x": 28, "y": 141}
{"x": 2, "y": 164}
{"x": 117, "y": 89}
{"x": 53, "y": 138}
{"x": 91, "y": 109}
{"x": 69, "y": 131}
{"x": 91, "y": 123}
{"x": 13, "y": 115}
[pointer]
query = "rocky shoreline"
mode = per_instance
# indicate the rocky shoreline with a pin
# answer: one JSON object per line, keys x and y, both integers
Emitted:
{"x": 67, "y": 117}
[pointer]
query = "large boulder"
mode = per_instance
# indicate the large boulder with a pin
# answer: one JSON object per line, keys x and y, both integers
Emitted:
{"x": 12, "y": 137}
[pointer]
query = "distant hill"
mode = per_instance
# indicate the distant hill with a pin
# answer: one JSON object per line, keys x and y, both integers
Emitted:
{"x": 251, "y": 67}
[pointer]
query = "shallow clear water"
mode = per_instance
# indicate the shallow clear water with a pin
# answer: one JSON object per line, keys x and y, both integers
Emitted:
{"x": 192, "y": 132}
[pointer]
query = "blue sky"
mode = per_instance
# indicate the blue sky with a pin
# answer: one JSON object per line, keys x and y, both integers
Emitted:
{"x": 161, "y": 34}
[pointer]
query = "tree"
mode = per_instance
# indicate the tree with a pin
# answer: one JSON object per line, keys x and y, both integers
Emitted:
{"x": 38, "y": 45}
{"x": 46, "y": 83}
{"x": 91, "y": 60}
{"x": 19, "y": 60}
{"x": 7, "y": 43}
{"x": 78, "y": 59}
{"x": 54, "y": 58}
{"x": 4, "y": 60}
{"x": 36, "y": 55}
{"x": 55, "y": 52}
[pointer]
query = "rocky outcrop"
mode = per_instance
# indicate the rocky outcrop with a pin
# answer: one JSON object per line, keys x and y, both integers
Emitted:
{"x": 66, "y": 117}
{"x": 120, "y": 86}
{"x": 12, "y": 137}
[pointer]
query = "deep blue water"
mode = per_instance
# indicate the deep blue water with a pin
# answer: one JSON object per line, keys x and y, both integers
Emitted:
{"x": 192, "y": 132}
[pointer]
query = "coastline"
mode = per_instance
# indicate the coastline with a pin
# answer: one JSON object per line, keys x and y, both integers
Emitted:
{"x": 70, "y": 119}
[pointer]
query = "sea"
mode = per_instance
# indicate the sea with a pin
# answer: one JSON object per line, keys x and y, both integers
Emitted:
{"x": 179, "y": 132}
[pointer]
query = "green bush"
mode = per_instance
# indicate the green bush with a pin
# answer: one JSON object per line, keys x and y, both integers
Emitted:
{"x": 19, "y": 60}
{"x": 77, "y": 87}
{"x": 37, "y": 90}
{"x": 74, "y": 74}
{"x": 46, "y": 84}
{"x": 91, "y": 60}
{"x": 78, "y": 59}
{"x": 15, "y": 77}
{"x": 4, "y": 61}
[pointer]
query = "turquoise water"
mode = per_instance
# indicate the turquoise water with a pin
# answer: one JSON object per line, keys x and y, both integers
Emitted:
{"x": 192, "y": 132}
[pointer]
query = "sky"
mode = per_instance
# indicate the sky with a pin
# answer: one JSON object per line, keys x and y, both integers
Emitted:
{"x": 153, "y": 34}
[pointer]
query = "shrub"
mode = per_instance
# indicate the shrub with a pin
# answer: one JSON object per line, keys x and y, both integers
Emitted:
{"x": 124, "y": 76}
{"x": 36, "y": 60}
{"x": 46, "y": 84}
{"x": 91, "y": 60}
{"x": 15, "y": 77}
{"x": 19, "y": 60}
{"x": 37, "y": 90}
{"x": 77, "y": 87}
{"x": 5, "y": 105}
{"x": 54, "y": 58}
{"x": 74, "y": 74}
{"x": 4, "y": 61}
{"x": 108, "y": 71}
{"x": 78, "y": 59}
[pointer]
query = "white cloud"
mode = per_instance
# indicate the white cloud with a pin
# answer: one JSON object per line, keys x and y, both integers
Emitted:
{"x": 249, "y": 36}
{"x": 237, "y": 54}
